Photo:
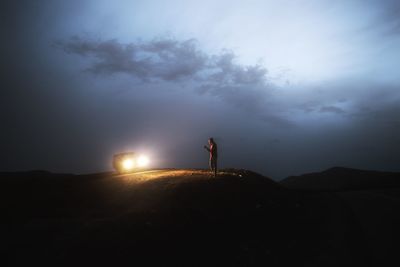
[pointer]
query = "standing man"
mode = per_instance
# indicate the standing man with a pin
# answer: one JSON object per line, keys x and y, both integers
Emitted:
{"x": 213, "y": 155}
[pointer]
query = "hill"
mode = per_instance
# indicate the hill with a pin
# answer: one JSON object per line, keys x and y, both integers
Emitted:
{"x": 339, "y": 179}
{"x": 174, "y": 218}
{"x": 373, "y": 200}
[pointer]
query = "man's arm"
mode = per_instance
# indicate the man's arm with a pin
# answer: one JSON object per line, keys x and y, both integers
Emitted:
{"x": 206, "y": 148}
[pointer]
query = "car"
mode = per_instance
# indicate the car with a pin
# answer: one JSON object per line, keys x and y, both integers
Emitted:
{"x": 128, "y": 162}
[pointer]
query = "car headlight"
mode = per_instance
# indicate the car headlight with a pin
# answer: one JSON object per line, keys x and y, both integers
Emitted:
{"x": 142, "y": 161}
{"x": 127, "y": 164}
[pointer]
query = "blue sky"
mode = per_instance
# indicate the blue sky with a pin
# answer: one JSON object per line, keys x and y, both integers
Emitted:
{"x": 285, "y": 87}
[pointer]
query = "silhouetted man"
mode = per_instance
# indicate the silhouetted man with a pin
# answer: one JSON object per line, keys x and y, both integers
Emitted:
{"x": 213, "y": 155}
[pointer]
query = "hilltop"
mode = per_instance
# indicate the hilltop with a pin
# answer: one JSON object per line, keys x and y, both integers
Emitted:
{"x": 175, "y": 217}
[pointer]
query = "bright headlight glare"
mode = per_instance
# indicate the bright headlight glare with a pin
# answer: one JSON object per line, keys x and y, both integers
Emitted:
{"x": 127, "y": 164}
{"x": 142, "y": 161}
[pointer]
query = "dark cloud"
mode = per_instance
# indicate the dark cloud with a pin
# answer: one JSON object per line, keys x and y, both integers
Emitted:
{"x": 248, "y": 87}
{"x": 162, "y": 59}
{"x": 332, "y": 109}
{"x": 387, "y": 19}
{"x": 165, "y": 59}
{"x": 172, "y": 61}
{"x": 390, "y": 16}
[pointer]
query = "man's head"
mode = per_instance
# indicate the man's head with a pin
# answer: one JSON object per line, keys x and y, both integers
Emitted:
{"x": 211, "y": 140}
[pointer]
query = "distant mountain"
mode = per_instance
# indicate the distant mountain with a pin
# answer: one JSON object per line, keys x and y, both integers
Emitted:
{"x": 340, "y": 178}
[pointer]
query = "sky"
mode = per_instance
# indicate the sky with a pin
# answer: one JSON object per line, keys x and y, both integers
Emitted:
{"x": 284, "y": 87}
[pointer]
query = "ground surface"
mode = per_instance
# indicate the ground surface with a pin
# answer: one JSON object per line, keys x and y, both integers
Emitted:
{"x": 187, "y": 218}
{"x": 371, "y": 199}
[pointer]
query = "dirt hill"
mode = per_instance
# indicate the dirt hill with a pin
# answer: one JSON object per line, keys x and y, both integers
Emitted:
{"x": 372, "y": 199}
{"x": 174, "y": 217}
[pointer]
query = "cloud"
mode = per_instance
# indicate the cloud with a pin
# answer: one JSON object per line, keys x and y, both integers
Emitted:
{"x": 182, "y": 62}
{"x": 386, "y": 19}
{"x": 332, "y": 109}
{"x": 390, "y": 16}
{"x": 162, "y": 59}
{"x": 165, "y": 59}
{"x": 172, "y": 63}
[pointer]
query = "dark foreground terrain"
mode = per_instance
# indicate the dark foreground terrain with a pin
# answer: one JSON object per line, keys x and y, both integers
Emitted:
{"x": 188, "y": 218}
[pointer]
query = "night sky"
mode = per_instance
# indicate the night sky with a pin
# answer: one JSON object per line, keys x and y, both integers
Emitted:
{"x": 284, "y": 87}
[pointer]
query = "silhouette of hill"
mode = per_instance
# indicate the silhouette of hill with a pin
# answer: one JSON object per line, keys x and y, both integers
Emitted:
{"x": 184, "y": 218}
{"x": 372, "y": 199}
{"x": 339, "y": 178}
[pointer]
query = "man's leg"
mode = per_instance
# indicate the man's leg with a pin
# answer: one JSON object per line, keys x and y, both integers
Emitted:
{"x": 215, "y": 167}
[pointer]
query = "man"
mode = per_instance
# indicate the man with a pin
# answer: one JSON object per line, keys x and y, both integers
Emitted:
{"x": 213, "y": 155}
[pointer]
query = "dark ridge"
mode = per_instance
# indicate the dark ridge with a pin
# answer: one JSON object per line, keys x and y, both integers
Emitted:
{"x": 26, "y": 173}
{"x": 341, "y": 178}
{"x": 33, "y": 173}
